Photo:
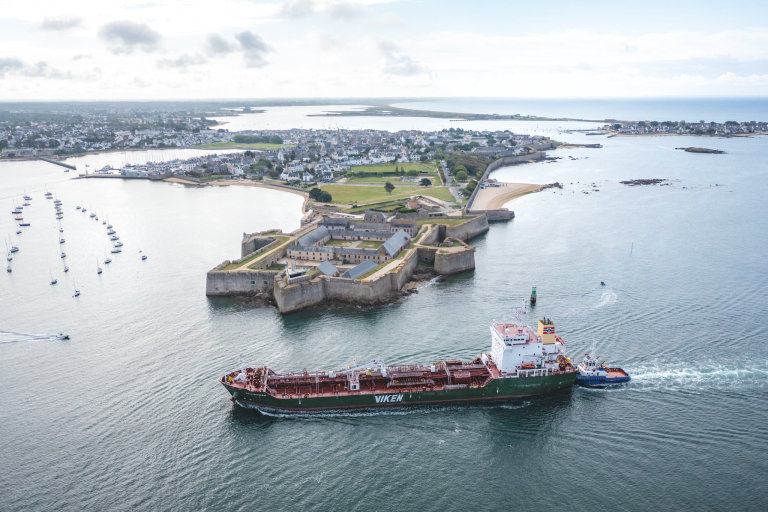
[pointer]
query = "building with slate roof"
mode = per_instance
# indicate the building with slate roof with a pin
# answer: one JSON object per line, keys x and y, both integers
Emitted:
{"x": 360, "y": 269}
{"x": 327, "y": 268}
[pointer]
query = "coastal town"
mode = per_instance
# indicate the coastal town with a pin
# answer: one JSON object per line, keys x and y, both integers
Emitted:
{"x": 76, "y": 129}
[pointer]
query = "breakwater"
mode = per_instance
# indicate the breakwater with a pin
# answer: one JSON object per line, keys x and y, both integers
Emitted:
{"x": 57, "y": 162}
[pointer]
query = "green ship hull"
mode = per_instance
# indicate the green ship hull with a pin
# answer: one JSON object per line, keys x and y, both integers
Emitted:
{"x": 499, "y": 389}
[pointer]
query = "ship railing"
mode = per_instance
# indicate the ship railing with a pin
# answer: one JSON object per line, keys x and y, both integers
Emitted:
{"x": 535, "y": 372}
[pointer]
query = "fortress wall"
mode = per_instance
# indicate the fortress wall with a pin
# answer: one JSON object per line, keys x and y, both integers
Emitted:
{"x": 294, "y": 297}
{"x": 502, "y": 214}
{"x": 219, "y": 283}
{"x": 469, "y": 229}
{"x": 427, "y": 255}
{"x": 454, "y": 262}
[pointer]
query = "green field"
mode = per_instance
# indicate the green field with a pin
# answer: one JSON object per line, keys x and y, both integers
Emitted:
{"x": 348, "y": 194}
{"x": 237, "y": 145}
{"x": 448, "y": 221}
{"x": 258, "y": 255}
{"x": 395, "y": 180}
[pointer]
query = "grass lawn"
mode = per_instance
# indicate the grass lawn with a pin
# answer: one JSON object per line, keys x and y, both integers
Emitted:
{"x": 407, "y": 166}
{"x": 449, "y": 221}
{"x": 369, "y": 244}
{"x": 338, "y": 243}
{"x": 348, "y": 194}
{"x": 282, "y": 239}
{"x": 237, "y": 145}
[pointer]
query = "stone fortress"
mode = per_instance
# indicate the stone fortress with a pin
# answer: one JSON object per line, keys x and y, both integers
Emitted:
{"x": 358, "y": 259}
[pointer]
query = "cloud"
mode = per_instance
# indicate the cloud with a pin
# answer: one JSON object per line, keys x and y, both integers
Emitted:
{"x": 9, "y": 65}
{"x": 254, "y": 48}
{"x": 398, "y": 63}
{"x": 60, "y": 24}
{"x": 127, "y": 36}
{"x": 294, "y": 9}
{"x": 182, "y": 61}
{"x": 329, "y": 42}
{"x": 346, "y": 11}
{"x": 81, "y": 56}
{"x": 38, "y": 70}
{"x": 218, "y": 45}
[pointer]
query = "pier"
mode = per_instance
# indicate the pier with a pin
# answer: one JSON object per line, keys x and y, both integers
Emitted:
{"x": 56, "y": 162}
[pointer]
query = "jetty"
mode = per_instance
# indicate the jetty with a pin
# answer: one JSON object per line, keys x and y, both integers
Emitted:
{"x": 57, "y": 162}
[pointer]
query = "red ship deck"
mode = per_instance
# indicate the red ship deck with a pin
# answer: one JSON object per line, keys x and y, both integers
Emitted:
{"x": 402, "y": 378}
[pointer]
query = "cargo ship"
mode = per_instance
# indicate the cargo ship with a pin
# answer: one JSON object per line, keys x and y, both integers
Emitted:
{"x": 521, "y": 363}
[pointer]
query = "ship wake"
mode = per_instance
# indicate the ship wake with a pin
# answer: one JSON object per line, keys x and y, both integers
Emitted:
{"x": 18, "y": 337}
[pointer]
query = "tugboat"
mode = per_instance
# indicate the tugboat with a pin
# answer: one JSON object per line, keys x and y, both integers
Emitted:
{"x": 521, "y": 363}
{"x": 595, "y": 373}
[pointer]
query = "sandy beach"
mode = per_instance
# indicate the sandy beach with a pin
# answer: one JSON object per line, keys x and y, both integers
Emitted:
{"x": 492, "y": 198}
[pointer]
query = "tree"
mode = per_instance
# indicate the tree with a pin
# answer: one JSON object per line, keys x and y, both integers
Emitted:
{"x": 461, "y": 175}
{"x": 389, "y": 187}
{"x": 315, "y": 193}
{"x": 425, "y": 182}
{"x": 412, "y": 173}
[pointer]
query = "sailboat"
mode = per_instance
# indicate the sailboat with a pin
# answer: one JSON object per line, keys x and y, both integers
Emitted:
{"x": 98, "y": 268}
{"x": 118, "y": 244}
{"x": 107, "y": 260}
{"x": 8, "y": 269}
{"x": 53, "y": 281}
{"x": 13, "y": 247}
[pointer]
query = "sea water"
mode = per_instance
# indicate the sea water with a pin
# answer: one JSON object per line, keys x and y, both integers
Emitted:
{"x": 128, "y": 415}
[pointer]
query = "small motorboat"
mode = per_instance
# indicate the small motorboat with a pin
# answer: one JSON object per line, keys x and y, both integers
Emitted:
{"x": 116, "y": 250}
{"x": 118, "y": 244}
{"x": 143, "y": 257}
{"x": 77, "y": 293}
{"x": 593, "y": 372}
{"x": 107, "y": 261}
{"x": 92, "y": 215}
{"x": 62, "y": 336}
{"x": 63, "y": 255}
{"x": 114, "y": 237}
{"x": 602, "y": 283}
{"x": 110, "y": 231}
{"x": 54, "y": 281}
{"x": 61, "y": 240}
{"x": 78, "y": 207}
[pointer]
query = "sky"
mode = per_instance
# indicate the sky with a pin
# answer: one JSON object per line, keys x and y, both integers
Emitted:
{"x": 231, "y": 49}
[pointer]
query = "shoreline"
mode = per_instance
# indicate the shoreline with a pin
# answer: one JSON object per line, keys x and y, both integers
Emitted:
{"x": 494, "y": 198}
{"x": 220, "y": 183}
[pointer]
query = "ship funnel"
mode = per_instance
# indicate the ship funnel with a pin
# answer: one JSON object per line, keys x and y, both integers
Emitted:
{"x": 546, "y": 331}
